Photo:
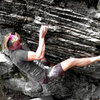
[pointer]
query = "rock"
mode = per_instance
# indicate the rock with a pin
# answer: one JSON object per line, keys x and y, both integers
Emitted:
{"x": 43, "y": 98}
{"x": 97, "y": 16}
{"x": 28, "y": 88}
{"x": 2, "y": 97}
{"x": 74, "y": 31}
{"x": 5, "y": 64}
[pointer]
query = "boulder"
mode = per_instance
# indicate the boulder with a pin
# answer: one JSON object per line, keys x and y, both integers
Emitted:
{"x": 74, "y": 31}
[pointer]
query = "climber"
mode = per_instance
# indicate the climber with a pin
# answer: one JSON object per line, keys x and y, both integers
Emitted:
{"x": 23, "y": 58}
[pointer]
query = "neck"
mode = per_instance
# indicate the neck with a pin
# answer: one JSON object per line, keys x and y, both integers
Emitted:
{"x": 18, "y": 47}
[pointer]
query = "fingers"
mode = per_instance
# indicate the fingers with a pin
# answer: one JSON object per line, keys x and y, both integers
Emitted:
{"x": 17, "y": 35}
{"x": 43, "y": 30}
{"x": 45, "y": 27}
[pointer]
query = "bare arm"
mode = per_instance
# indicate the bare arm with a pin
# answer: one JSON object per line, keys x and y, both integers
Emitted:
{"x": 39, "y": 54}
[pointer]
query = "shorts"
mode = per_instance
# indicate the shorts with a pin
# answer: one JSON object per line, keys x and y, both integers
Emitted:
{"x": 52, "y": 73}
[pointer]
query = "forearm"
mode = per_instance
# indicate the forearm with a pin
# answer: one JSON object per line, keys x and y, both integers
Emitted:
{"x": 39, "y": 54}
{"x": 41, "y": 47}
{"x": 43, "y": 52}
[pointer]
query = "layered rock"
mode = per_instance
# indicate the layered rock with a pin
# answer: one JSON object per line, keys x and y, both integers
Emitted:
{"x": 73, "y": 32}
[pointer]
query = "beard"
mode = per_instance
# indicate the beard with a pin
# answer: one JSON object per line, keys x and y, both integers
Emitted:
{"x": 16, "y": 45}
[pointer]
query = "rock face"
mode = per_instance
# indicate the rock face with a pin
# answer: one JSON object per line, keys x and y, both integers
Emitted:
{"x": 74, "y": 31}
{"x": 1, "y": 93}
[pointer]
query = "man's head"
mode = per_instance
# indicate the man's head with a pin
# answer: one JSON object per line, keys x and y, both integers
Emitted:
{"x": 12, "y": 42}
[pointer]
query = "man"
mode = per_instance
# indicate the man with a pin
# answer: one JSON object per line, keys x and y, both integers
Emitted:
{"x": 24, "y": 59}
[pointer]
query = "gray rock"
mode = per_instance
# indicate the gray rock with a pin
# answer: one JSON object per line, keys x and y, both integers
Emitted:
{"x": 5, "y": 64}
{"x": 43, "y": 98}
{"x": 74, "y": 31}
{"x": 28, "y": 88}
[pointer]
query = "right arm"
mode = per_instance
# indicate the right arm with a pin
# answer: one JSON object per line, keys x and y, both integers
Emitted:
{"x": 39, "y": 54}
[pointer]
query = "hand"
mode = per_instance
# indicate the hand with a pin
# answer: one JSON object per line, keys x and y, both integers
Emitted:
{"x": 17, "y": 35}
{"x": 43, "y": 30}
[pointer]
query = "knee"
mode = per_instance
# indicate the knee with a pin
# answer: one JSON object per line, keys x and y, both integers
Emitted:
{"x": 69, "y": 63}
{"x": 72, "y": 60}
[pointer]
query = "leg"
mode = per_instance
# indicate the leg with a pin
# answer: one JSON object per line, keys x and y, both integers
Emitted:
{"x": 59, "y": 69}
{"x": 79, "y": 62}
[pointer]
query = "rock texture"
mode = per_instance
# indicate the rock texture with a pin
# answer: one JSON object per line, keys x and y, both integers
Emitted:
{"x": 1, "y": 93}
{"x": 74, "y": 31}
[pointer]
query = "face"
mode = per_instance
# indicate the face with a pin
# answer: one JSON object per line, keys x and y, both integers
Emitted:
{"x": 16, "y": 42}
{"x": 15, "y": 38}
